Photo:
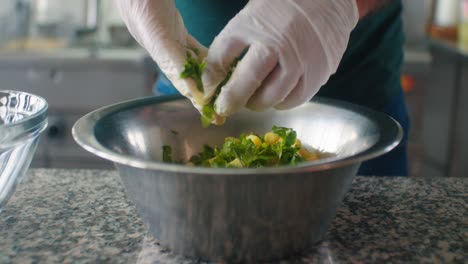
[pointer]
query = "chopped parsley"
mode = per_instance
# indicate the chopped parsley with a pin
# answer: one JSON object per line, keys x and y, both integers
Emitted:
{"x": 193, "y": 69}
{"x": 278, "y": 147}
{"x": 167, "y": 154}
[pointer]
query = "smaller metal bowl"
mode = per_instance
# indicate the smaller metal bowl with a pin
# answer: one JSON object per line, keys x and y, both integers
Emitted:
{"x": 236, "y": 215}
{"x": 23, "y": 117}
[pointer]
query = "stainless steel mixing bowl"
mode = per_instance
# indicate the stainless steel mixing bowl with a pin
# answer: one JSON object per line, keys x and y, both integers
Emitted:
{"x": 23, "y": 117}
{"x": 234, "y": 214}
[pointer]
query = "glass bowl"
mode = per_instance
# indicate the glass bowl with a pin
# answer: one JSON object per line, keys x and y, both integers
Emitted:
{"x": 23, "y": 116}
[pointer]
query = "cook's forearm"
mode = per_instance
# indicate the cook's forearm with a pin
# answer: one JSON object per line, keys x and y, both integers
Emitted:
{"x": 368, "y": 6}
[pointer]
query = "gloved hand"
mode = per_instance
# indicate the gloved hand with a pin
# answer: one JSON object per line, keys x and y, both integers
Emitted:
{"x": 158, "y": 27}
{"x": 294, "y": 46}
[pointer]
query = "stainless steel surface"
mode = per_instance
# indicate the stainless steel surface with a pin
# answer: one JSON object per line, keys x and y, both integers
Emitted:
{"x": 445, "y": 124}
{"x": 23, "y": 117}
{"x": 234, "y": 214}
{"x": 459, "y": 165}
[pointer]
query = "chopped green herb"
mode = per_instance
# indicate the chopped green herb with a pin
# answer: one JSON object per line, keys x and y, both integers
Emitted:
{"x": 193, "y": 69}
{"x": 288, "y": 135}
{"x": 253, "y": 151}
{"x": 208, "y": 110}
{"x": 207, "y": 115}
{"x": 167, "y": 154}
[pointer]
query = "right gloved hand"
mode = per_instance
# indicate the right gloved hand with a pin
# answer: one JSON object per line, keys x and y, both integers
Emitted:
{"x": 293, "y": 47}
{"x": 158, "y": 27}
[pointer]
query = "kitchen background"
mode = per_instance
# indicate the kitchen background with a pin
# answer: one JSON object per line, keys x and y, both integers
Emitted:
{"x": 79, "y": 56}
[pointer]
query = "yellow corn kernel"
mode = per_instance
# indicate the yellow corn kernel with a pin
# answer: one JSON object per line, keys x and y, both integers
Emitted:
{"x": 271, "y": 138}
{"x": 308, "y": 155}
{"x": 298, "y": 143}
{"x": 236, "y": 163}
{"x": 256, "y": 140}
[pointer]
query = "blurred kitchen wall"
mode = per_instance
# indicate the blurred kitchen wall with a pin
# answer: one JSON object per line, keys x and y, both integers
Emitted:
{"x": 72, "y": 23}
{"x": 416, "y": 14}
{"x": 78, "y": 55}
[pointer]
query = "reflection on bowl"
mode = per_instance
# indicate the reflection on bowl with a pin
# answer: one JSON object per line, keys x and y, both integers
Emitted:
{"x": 234, "y": 214}
{"x": 23, "y": 117}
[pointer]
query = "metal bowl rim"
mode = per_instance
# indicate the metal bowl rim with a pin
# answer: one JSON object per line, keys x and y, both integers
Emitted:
{"x": 83, "y": 133}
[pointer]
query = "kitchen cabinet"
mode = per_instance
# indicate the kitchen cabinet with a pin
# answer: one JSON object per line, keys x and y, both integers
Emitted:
{"x": 75, "y": 83}
{"x": 416, "y": 68}
{"x": 445, "y": 123}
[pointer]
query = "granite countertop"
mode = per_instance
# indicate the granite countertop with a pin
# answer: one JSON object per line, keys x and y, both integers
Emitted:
{"x": 84, "y": 216}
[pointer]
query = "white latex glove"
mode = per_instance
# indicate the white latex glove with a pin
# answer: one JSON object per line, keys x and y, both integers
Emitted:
{"x": 294, "y": 46}
{"x": 158, "y": 27}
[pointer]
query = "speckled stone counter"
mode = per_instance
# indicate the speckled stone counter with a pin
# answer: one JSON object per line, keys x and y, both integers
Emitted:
{"x": 77, "y": 216}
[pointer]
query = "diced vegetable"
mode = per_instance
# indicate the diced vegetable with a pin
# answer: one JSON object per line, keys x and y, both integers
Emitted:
{"x": 278, "y": 147}
{"x": 193, "y": 69}
{"x": 271, "y": 138}
{"x": 167, "y": 154}
{"x": 255, "y": 139}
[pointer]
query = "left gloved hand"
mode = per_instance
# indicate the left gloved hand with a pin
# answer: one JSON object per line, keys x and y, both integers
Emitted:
{"x": 158, "y": 27}
{"x": 293, "y": 48}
